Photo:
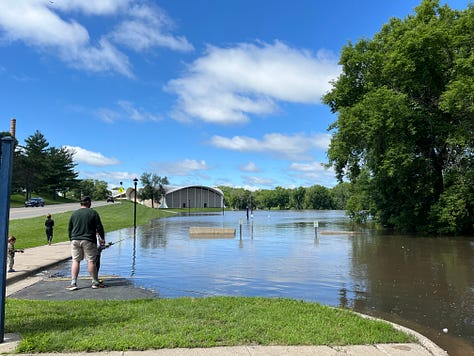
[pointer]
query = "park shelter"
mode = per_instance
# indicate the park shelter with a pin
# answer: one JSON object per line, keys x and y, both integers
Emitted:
{"x": 193, "y": 196}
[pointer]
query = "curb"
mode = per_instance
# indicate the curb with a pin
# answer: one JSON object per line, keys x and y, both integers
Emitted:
{"x": 422, "y": 340}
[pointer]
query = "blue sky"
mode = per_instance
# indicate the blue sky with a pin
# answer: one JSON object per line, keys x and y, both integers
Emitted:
{"x": 208, "y": 92}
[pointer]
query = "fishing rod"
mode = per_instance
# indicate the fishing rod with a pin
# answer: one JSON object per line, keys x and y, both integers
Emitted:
{"x": 100, "y": 248}
{"x": 107, "y": 245}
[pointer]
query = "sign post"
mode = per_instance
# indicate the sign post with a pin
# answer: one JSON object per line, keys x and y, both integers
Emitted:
{"x": 6, "y": 163}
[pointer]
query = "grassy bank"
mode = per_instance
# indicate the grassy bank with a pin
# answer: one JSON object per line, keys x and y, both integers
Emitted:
{"x": 91, "y": 325}
{"x": 18, "y": 200}
{"x": 30, "y": 232}
{"x": 187, "y": 322}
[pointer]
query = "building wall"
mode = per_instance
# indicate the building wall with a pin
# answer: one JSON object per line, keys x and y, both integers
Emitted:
{"x": 194, "y": 197}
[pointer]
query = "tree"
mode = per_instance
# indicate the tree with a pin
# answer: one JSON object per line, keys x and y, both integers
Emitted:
{"x": 268, "y": 199}
{"x": 39, "y": 168}
{"x": 318, "y": 197}
{"x": 339, "y": 195}
{"x": 404, "y": 130}
{"x": 153, "y": 187}
{"x": 94, "y": 188}
{"x": 35, "y": 164}
{"x": 297, "y": 198}
{"x": 282, "y": 198}
{"x": 62, "y": 176}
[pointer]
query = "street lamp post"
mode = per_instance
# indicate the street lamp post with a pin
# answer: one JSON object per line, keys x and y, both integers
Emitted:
{"x": 135, "y": 181}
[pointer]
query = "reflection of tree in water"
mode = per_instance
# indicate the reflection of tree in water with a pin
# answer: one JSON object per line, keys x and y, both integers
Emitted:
{"x": 426, "y": 280}
{"x": 153, "y": 235}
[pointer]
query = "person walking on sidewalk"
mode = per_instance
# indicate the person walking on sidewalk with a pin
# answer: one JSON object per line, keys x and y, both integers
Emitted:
{"x": 49, "y": 223}
{"x": 84, "y": 226}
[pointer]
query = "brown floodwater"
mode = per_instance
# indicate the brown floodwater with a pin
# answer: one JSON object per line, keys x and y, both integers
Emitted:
{"x": 425, "y": 284}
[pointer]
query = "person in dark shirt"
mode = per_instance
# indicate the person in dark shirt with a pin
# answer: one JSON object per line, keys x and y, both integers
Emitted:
{"x": 84, "y": 227}
{"x": 49, "y": 223}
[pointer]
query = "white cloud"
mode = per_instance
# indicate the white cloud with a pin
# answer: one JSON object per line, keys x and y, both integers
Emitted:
{"x": 227, "y": 85}
{"x": 107, "y": 115}
{"x": 126, "y": 111}
{"x": 182, "y": 168}
{"x": 284, "y": 146}
{"x": 250, "y": 167}
{"x": 82, "y": 155}
{"x": 149, "y": 27}
{"x": 307, "y": 167}
{"x": 313, "y": 173}
{"x": 50, "y": 26}
{"x": 136, "y": 114}
{"x": 112, "y": 178}
{"x": 96, "y": 7}
{"x": 257, "y": 181}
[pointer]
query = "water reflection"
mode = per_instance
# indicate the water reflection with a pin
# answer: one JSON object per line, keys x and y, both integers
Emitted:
{"x": 422, "y": 283}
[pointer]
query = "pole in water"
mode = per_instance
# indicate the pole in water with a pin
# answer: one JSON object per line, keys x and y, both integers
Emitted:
{"x": 240, "y": 228}
{"x": 316, "y": 226}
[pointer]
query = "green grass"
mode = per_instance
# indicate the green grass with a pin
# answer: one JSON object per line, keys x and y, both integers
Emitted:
{"x": 74, "y": 326}
{"x": 31, "y": 232}
{"x": 18, "y": 200}
{"x": 91, "y": 325}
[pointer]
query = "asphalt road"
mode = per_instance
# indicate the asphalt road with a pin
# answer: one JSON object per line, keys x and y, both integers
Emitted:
{"x": 31, "y": 212}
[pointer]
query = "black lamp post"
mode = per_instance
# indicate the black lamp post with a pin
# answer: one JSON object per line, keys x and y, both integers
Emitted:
{"x": 135, "y": 181}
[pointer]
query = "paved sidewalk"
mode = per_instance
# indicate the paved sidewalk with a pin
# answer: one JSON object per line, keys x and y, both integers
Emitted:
{"x": 37, "y": 259}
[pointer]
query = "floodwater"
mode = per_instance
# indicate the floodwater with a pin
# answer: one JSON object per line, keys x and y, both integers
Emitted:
{"x": 426, "y": 284}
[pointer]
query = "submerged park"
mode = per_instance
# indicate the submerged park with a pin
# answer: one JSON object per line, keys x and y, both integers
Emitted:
{"x": 401, "y": 245}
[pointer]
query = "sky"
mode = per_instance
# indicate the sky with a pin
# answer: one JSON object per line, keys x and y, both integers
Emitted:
{"x": 203, "y": 92}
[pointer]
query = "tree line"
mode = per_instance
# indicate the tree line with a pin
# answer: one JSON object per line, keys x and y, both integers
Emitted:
{"x": 315, "y": 197}
{"x": 39, "y": 169}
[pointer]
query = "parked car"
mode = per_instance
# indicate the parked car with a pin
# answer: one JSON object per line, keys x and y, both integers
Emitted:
{"x": 110, "y": 199}
{"x": 34, "y": 202}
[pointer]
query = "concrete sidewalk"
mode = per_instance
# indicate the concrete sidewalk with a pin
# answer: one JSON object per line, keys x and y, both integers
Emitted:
{"x": 37, "y": 259}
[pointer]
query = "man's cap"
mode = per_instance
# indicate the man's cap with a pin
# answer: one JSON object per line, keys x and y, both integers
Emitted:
{"x": 86, "y": 199}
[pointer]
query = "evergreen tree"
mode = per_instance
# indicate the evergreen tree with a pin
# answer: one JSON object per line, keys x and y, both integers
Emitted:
{"x": 62, "y": 177}
{"x": 34, "y": 159}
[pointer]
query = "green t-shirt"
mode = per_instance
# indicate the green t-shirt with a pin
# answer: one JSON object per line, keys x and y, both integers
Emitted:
{"x": 85, "y": 224}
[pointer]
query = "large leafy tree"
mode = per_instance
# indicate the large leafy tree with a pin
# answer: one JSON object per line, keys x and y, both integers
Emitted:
{"x": 94, "y": 188}
{"x": 404, "y": 133}
{"x": 318, "y": 197}
{"x": 153, "y": 187}
{"x": 297, "y": 198}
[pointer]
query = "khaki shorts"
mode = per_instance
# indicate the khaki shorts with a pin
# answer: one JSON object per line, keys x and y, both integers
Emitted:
{"x": 83, "y": 248}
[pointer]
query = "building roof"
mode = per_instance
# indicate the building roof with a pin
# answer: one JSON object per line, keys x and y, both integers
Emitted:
{"x": 174, "y": 188}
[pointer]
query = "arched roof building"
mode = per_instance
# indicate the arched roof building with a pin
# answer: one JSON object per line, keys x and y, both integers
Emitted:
{"x": 193, "y": 196}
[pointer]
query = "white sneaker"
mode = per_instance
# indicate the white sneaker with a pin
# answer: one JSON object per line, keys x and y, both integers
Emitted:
{"x": 72, "y": 286}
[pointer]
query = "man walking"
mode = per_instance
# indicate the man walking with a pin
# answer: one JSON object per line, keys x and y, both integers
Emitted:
{"x": 84, "y": 226}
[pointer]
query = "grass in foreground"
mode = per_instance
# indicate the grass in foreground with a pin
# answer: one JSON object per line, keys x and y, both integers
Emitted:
{"x": 73, "y": 326}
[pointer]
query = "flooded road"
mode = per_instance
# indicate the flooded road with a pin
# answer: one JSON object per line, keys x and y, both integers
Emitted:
{"x": 426, "y": 284}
